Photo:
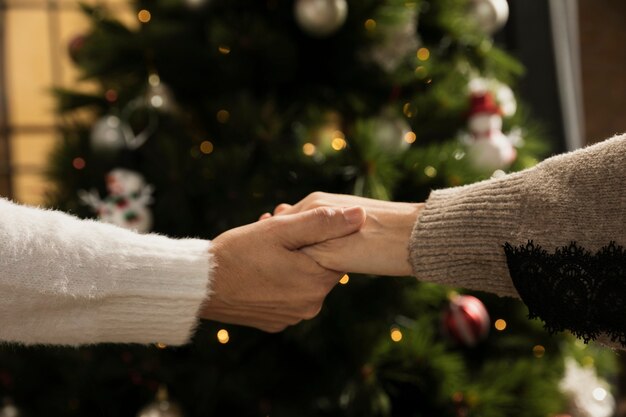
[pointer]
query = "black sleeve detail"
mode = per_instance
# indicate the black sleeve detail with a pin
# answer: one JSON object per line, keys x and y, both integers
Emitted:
{"x": 573, "y": 289}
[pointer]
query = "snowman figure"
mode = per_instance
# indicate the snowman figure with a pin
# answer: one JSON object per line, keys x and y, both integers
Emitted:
{"x": 127, "y": 203}
{"x": 489, "y": 148}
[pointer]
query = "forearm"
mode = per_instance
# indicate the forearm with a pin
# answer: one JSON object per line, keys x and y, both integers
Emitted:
{"x": 577, "y": 197}
{"x": 70, "y": 281}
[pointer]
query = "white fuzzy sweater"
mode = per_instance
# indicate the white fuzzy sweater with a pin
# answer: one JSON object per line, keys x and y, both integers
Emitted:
{"x": 70, "y": 281}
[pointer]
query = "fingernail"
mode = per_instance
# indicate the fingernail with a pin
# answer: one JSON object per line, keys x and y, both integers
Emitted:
{"x": 354, "y": 215}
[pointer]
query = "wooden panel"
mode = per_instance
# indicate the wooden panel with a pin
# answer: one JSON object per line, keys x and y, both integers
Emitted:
{"x": 31, "y": 151}
{"x": 28, "y": 65}
{"x": 603, "y": 57}
{"x": 30, "y": 188}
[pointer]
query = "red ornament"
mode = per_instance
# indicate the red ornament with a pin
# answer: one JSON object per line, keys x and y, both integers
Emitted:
{"x": 483, "y": 103}
{"x": 75, "y": 47}
{"x": 466, "y": 320}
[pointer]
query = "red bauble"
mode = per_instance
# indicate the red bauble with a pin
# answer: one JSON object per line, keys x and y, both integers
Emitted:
{"x": 75, "y": 47}
{"x": 466, "y": 320}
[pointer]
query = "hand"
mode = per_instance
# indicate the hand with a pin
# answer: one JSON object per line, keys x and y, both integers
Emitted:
{"x": 380, "y": 247}
{"x": 262, "y": 279}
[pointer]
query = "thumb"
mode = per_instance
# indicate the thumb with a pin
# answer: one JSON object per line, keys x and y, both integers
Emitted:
{"x": 318, "y": 225}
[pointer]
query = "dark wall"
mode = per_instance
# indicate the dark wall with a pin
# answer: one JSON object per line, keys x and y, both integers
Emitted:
{"x": 528, "y": 36}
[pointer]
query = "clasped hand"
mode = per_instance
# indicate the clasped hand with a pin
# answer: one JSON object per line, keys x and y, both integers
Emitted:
{"x": 278, "y": 271}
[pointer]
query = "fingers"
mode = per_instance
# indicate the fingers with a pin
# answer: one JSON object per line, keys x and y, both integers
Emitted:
{"x": 318, "y": 225}
{"x": 282, "y": 208}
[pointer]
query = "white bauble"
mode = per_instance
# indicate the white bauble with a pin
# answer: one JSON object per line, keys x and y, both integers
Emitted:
{"x": 108, "y": 134}
{"x": 389, "y": 131}
{"x": 490, "y": 15}
{"x": 587, "y": 395}
{"x": 489, "y": 154}
{"x": 320, "y": 17}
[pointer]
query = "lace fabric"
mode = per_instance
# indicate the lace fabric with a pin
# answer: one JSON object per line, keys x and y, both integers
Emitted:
{"x": 573, "y": 289}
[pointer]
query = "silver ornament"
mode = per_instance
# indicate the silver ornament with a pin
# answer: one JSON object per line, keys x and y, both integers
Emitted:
{"x": 398, "y": 42}
{"x": 108, "y": 134}
{"x": 490, "y": 15}
{"x": 320, "y": 17}
{"x": 389, "y": 132}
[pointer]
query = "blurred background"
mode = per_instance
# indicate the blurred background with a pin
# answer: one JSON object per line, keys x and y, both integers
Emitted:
{"x": 206, "y": 113}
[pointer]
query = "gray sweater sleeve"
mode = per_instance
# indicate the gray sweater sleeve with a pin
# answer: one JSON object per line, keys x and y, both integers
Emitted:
{"x": 579, "y": 196}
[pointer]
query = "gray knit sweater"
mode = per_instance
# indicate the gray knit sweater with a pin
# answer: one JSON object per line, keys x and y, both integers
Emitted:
{"x": 575, "y": 197}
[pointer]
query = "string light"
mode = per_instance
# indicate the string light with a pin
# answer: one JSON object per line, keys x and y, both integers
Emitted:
{"x": 223, "y": 49}
{"x": 144, "y": 16}
{"x": 338, "y": 144}
{"x": 161, "y": 345}
{"x": 500, "y": 324}
{"x": 78, "y": 163}
{"x": 421, "y": 72}
{"x": 194, "y": 152}
{"x": 430, "y": 171}
{"x": 599, "y": 394}
{"x": 423, "y": 54}
{"x": 370, "y": 24}
{"x": 154, "y": 80}
{"x": 156, "y": 101}
{"x": 308, "y": 149}
{"x": 223, "y": 116}
{"x": 344, "y": 279}
{"x": 222, "y": 336}
{"x": 110, "y": 96}
{"x": 206, "y": 147}
{"x": 409, "y": 110}
{"x": 539, "y": 351}
{"x": 396, "y": 334}
{"x": 410, "y": 137}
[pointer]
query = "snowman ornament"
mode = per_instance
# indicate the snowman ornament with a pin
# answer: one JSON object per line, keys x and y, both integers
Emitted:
{"x": 489, "y": 149}
{"x": 127, "y": 203}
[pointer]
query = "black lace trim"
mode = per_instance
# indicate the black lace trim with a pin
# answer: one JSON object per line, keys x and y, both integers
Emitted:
{"x": 573, "y": 289}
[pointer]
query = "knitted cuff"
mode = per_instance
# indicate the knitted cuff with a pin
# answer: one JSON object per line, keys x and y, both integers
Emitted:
{"x": 458, "y": 237}
{"x": 158, "y": 295}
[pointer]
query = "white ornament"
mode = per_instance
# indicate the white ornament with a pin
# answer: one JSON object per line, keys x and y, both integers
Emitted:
{"x": 126, "y": 204}
{"x": 490, "y": 15}
{"x": 587, "y": 394}
{"x": 491, "y": 153}
{"x": 398, "y": 41}
{"x": 109, "y": 134}
{"x": 389, "y": 132}
{"x": 320, "y": 17}
{"x": 488, "y": 148}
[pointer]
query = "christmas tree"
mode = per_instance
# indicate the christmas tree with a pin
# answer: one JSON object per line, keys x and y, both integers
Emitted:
{"x": 209, "y": 113}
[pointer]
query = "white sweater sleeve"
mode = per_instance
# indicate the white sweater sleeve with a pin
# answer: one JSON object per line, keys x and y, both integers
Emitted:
{"x": 70, "y": 281}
